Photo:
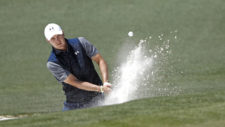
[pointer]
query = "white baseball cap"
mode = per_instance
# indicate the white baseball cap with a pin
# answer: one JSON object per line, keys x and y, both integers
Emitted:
{"x": 52, "y": 29}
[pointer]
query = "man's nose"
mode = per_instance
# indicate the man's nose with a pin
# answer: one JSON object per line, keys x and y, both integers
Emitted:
{"x": 57, "y": 38}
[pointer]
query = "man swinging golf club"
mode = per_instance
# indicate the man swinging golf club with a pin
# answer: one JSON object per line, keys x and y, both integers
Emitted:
{"x": 71, "y": 64}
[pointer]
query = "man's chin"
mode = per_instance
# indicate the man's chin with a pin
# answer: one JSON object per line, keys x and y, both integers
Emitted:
{"x": 62, "y": 47}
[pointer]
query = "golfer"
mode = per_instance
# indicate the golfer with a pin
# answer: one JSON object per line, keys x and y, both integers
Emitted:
{"x": 70, "y": 62}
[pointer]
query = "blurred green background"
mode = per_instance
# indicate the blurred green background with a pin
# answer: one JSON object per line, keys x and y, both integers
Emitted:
{"x": 196, "y": 64}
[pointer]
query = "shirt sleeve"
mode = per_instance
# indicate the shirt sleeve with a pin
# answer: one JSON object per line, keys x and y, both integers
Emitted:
{"x": 58, "y": 72}
{"x": 88, "y": 47}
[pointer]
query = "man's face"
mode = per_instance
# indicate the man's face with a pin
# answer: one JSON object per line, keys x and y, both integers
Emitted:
{"x": 58, "y": 42}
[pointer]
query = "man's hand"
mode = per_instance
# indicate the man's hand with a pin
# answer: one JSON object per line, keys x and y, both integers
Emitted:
{"x": 107, "y": 87}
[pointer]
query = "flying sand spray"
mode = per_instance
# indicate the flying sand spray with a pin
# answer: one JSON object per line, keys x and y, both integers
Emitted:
{"x": 136, "y": 72}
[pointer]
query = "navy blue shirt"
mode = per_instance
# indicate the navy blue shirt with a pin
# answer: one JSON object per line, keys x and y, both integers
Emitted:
{"x": 75, "y": 60}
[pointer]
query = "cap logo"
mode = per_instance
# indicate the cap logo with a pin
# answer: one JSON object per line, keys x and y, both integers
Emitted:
{"x": 51, "y": 28}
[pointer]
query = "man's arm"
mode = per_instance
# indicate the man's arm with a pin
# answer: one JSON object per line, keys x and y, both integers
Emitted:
{"x": 92, "y": 52}
{"x": 102, "y": 65}
{"x": 72, "y": 80}
{"x": 63, "y": 75}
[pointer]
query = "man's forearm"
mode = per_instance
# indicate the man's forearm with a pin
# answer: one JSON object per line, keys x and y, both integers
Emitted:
{"x": 102, "y": 65}
{"x": 92, "y": 87}
{"x": 81, "y": 84}
{"x": 86, "y": 86}
{"x": 104, "y": 70}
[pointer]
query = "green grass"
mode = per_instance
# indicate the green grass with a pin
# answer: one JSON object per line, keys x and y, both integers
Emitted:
{"x": 195, "y": 66}
{"x": 202, "y": 110}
